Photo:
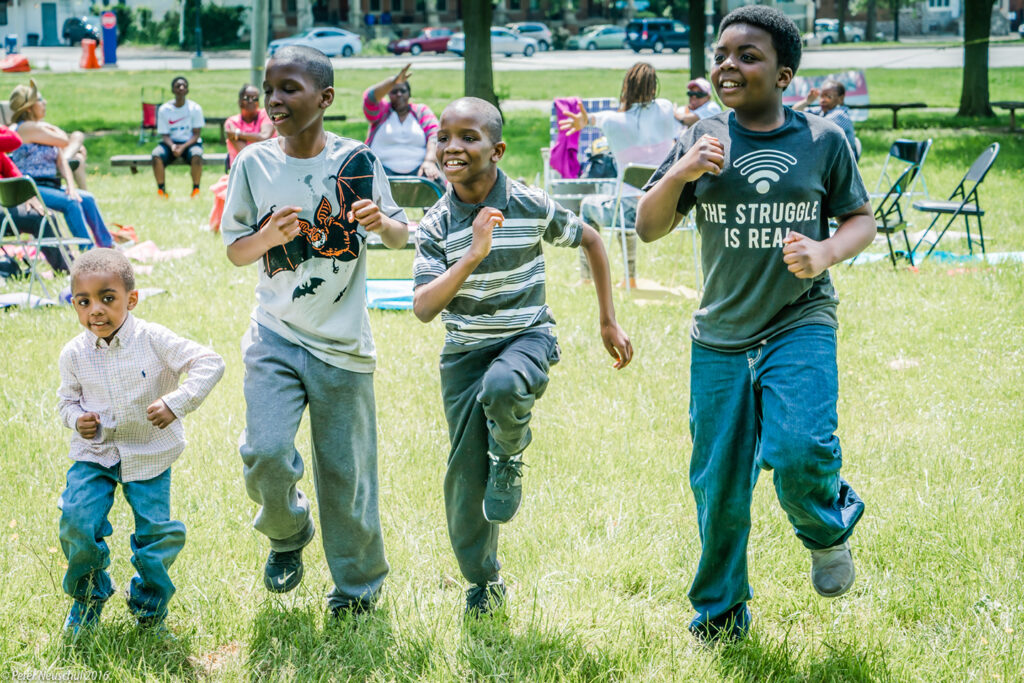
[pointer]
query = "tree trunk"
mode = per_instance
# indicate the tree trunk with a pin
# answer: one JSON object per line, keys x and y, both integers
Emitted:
{"x": 842, "y": 6}
{"x": 894, "y": 7}
{"x": 697, "y": 31}
{"x": 977, "y": 25}
{"x": 872, "y": 27}
{"x": 479, "y": 79}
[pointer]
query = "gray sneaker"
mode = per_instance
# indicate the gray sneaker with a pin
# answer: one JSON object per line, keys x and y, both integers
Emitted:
{"x": 485, "y": 599}
{"x": 832, "y": 571}
{"x": 504, "y": 489}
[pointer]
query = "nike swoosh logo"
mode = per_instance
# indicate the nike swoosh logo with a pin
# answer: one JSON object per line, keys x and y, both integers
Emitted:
{"x": 172, "y": 122}
{"x": 284, "y": 579}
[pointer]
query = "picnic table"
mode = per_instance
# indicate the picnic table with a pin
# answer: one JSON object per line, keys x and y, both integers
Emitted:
{"x": 894, "y": 106}
{"x": 1012, "y": 106}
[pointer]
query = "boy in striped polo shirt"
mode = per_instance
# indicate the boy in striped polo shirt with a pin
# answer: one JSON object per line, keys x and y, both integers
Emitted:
{"x": 479, "y": 263}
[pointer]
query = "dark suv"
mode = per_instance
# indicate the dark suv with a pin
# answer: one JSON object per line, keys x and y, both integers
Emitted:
{"x": 77, "y": 28}
{"x": 657, "y": 34}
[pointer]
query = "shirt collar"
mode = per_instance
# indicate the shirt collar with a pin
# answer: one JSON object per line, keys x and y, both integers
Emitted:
{"x": 121, "y": 338}
{"x": 497, "y": 198}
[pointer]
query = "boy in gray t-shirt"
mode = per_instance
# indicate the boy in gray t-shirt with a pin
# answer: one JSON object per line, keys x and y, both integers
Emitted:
{"x": 301, "y": 205}
{"x": 763, "y": 385}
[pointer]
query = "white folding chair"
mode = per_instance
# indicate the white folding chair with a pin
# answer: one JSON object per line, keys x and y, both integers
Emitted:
{"x": 14, "y": 192}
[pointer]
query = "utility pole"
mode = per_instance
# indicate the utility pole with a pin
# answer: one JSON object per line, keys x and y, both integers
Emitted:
{"x": 258, "y": 42}
{"x": 199, "y": 61}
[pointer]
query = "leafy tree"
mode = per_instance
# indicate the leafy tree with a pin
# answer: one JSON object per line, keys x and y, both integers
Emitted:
{"x": 974, "y": 97}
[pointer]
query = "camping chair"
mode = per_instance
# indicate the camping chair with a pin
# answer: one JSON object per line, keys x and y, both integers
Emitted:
{"x": 962, "y": 202}
{"x": 409, "y": 192}
{"x": 14, "y": 192}
{"x": 889, "y": 217}
{"x": 635, "y": 176}
{"x": 909, "y": 152}
{"x": 152, "y": 98}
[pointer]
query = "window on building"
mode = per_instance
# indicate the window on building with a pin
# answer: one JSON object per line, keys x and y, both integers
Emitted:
{"x": 515, "y": 5}
{"x": 3, "y": 14}
{"x": 442, "y": 5}
{"x": 374, "y": 5}
{"x": 938, "y": 4}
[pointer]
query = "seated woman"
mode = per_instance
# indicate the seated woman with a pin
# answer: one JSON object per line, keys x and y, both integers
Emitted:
{"x": 403, "y": 135}
{"x": 40, "y": 157}
{"x": 642, "y": 131}
{"x": 251, "y": 124}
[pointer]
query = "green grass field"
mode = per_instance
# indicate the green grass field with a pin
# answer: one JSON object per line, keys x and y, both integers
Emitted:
{"x": 600, "y": 557}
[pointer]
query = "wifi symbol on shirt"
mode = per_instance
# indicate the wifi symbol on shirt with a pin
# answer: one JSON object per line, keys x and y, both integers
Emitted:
{"x": 764, "y": 167}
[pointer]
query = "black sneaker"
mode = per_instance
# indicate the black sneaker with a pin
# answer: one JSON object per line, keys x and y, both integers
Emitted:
{"x": 354, "y": 608}
{"x": 504, "y": 489}
{"x": 283, "y": 571}
{"x": 485, "y": 599}
{"x": 730, "y": 627}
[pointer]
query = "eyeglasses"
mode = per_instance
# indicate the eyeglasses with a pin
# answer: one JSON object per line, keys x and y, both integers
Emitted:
{"x": 249, "y": 98}
{"x": 695, "y": 93}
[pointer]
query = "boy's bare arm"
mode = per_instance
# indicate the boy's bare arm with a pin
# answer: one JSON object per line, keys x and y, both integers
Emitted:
{"x": 616, "y": 342}
{"x": 656, "y": 213}
{"x": 394, "y": 234}
{"x": 807, "y": 258}
{"x": 432, "y": 298}
{"x": 282, "y": 228}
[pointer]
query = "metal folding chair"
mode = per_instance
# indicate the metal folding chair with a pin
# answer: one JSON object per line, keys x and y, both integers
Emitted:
{"x": 409, "y": 192}
{"x": 635, "y": 176}
{"x": 14, "y": 192}
{"x": 910, "y": 153}
{"x": 889, "y": 217}
{"x": 963, "y": 202}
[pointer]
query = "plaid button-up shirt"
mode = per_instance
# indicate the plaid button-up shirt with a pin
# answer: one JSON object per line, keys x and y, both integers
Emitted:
{"x": 119, "y": 380}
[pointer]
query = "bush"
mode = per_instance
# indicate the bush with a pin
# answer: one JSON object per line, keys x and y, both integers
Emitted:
{"x": 221, "y": 26}
{"x": 560, "y": 38}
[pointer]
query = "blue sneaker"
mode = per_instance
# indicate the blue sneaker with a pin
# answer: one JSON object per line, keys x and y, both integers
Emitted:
{"x": 83, "y": 616}
{"x": 283, "y": 570}
{"x": 729, "y": 627}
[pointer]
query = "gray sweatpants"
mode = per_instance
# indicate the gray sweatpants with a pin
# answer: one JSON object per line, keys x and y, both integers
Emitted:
{"x": 488, "y": 394}
{"x": 281, "y": 379}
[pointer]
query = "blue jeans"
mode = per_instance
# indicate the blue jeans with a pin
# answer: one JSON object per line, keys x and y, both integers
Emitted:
{"x": 82, "y": 217}
{"x": 85, "y": 504}
{"x": 772, "y": 407}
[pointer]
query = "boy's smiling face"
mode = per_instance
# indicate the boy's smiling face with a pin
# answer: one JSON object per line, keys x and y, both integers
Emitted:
{"x": 102, "y": 302}
{"x": 465, "y": 151}
{"x": 746, "y": 73}
{"x": 292, "y": 99}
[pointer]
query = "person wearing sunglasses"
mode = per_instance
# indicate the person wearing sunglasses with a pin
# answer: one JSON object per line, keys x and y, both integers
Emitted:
{"x": 250, "y": 124}
{"x": 699, "y": 104}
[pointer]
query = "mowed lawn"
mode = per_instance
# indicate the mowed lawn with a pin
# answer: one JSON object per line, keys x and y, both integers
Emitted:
{"x": 600, "y": 557}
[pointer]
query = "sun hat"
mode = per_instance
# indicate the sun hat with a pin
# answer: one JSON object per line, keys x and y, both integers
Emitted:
{"x": 700, "y": 84}
{"x": 22, "y": 98}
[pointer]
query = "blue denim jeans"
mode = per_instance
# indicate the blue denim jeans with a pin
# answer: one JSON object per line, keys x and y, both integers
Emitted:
{"x": 772, "y": 407}
{"x": 85, "y": 504}
{"x": 82, "y": 217}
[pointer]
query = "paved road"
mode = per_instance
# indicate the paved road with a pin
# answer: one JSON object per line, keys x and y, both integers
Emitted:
{"x": 139, "y": 59}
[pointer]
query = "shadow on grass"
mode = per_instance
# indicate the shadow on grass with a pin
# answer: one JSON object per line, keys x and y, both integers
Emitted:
{"x": 759, "y": 659}
{"x": 490, "y": 650}
{"x": 136, "y": 653}
{"x": 290, "y": 644}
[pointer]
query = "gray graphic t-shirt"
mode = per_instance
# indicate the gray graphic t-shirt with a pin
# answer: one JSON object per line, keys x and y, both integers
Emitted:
{"x": 312, "y": 291}
{"x": 792, "y": 178}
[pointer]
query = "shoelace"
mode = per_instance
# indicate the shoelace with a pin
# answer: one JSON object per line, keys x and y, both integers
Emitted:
{"x": 508, "y": 472}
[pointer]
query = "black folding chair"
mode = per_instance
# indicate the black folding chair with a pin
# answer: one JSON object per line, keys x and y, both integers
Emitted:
{"x": 409, "y": 192}
{"x": 889, "y": 214}
{"x": 909, "y": 152}
{"x": 962, "y": 202}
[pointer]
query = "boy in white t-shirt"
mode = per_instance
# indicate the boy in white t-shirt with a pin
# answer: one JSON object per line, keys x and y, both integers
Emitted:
{"x": 300, "y": 206}
{"x": 179, "y": 123}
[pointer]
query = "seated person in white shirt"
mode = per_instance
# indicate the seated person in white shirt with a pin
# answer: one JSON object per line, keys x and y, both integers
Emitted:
{"x": 699, "y": 104}
{"x": 119, "y": 395}
{"x": 179, "y": 123}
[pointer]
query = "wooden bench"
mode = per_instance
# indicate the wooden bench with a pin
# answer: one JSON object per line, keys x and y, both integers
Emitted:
{"x": 219, "y": 121}
{"x": 1012, "y": 106}
{"x": 894, "y": 106}
{"x": 133, "y": 161}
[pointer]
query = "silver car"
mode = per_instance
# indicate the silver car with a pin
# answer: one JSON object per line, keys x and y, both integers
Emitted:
{"x": 503, "y": 42}
{"x": 533, "y": 29}
{"x": 600, "y": 37}
{"x": 333, "y": 42}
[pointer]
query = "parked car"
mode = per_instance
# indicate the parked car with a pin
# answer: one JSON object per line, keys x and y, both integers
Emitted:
{"x": 329, "y": 40}
{"x": 503, "y": 41}
{"x": 599, "y": 37}
{"x": 657, "y": 35}
{"x": 77, "y": 28}
{"x": 430, "y": 39}
{"x": 826, "y": 32}
{"x": 533, "y": 29}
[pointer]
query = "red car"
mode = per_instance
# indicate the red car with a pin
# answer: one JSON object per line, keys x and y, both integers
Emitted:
{"x": 430, "y": 39}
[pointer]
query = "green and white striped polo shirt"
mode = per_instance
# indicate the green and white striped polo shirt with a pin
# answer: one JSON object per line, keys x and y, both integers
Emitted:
{"x": 505, "y": 294}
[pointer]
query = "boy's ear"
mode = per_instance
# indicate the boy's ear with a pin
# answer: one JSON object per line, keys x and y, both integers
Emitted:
{"x": 326, "y": 97}
{"x": 133, "y": 299}
{"x": 785, "y": 77}
{"x": 498, "y": 152}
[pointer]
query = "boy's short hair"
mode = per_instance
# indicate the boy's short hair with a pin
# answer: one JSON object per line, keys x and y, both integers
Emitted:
{"x": 313, "y": 62}
{"x": 785, "y": 35}
{"x": 485, "y": 112}
{"x": 178, "y": 78}
{"x": 105, "y": 261}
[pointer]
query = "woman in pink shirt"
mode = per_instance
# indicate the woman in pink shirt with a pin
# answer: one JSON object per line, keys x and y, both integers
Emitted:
{"x": 250, "y": 125}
